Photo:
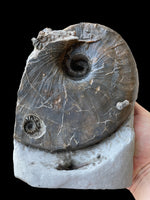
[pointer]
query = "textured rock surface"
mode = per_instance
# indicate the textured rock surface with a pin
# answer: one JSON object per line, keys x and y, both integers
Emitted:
{"x": 107, "y": 165}
{"x": 78, "y": 87}
{"x": 74, "y": 112}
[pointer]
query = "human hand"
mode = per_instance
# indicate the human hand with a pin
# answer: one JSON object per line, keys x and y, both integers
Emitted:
{"x": 140, "y": 187}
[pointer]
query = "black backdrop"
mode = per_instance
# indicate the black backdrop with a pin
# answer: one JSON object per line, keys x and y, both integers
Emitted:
{"x": 24, "y": 22}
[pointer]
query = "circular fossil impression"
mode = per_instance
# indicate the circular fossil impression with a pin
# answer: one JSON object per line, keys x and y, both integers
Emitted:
{"x": 33, "y": 126}
{"x": 77, "y": 67}
{"x": 81, "y": 82}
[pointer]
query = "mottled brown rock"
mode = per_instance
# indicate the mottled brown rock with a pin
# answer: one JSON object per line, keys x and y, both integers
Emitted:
{"x": 78, "y": 87}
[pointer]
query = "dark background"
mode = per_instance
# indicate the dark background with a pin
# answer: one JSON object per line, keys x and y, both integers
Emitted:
{"x": 25, "y": 21}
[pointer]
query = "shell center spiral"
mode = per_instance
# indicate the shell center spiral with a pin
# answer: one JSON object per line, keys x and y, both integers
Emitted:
{"x": 77, "y": 67}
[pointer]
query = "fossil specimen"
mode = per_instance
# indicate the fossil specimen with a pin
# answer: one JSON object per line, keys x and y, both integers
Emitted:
{"x": 78, "y": 87}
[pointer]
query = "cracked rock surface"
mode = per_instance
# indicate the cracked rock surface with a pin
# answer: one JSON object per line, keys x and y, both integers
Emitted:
{"x": 78, "y": 88}
{"x": 107, "y": 165}
{"x": 74, "y": 112}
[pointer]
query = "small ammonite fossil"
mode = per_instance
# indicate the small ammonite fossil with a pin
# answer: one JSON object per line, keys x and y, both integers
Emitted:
{"x": 31, "y": 124}
{"x": 78, "y": 87}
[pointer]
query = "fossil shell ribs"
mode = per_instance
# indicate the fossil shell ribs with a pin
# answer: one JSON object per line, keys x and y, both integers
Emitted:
{"x": 78, "y": 87}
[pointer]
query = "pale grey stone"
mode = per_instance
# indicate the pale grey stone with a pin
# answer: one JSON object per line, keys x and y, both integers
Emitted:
{"x": 122, "y": 105}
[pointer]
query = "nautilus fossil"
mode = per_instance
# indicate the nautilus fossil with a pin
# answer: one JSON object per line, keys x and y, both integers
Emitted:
{"x": 78, "y": 88}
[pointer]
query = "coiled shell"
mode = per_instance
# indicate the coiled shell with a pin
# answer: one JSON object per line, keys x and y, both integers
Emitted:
{"x": 79, "y": 85}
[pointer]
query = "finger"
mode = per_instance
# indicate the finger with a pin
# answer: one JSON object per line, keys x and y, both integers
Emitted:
{"x": 139, "y": 110}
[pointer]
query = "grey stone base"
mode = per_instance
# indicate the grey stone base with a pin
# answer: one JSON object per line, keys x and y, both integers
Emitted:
{"x": 107, "y": 165}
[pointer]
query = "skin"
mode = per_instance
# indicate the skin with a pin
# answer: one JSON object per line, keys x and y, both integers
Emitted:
{"x": 140, "y": 187}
